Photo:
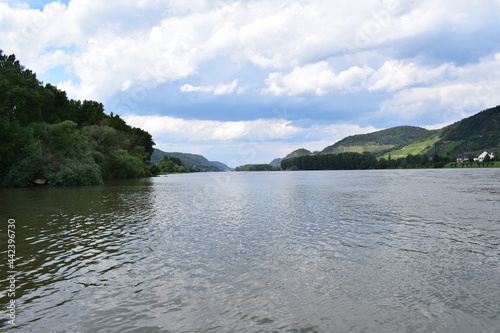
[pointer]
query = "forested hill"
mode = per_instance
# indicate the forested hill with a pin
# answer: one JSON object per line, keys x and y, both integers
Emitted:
{"x": 192, "y": 161}
{"x": 471, "y": 135}
{"x": 378, "y": 142}
{"x": 47, "y": 137}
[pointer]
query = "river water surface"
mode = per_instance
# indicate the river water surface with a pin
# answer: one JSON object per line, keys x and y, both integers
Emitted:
{"x": 325, "y": 251}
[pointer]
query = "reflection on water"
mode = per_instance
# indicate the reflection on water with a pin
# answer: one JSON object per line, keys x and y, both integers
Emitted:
{"x": 68, "y": 239}
{"x": 361, "y": 251}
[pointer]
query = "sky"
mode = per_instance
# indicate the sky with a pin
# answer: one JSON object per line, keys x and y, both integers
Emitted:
{"x": 245, "y": 82}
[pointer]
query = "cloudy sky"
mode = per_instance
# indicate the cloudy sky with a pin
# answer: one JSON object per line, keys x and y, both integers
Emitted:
{"x": 247, "y": 81}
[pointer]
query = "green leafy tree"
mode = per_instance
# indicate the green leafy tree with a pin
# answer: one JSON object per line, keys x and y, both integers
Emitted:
{"x": 123, "y": 165}
{"x": 69, "y": 142}
{"x": 170, "y": 167}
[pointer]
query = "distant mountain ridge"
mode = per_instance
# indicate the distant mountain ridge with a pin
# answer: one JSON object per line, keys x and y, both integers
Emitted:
{"x": 193, "y": 161}
{"x": 471, "y": 135}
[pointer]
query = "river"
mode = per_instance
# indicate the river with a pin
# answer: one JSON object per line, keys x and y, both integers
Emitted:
{"x": 318, "y": 251}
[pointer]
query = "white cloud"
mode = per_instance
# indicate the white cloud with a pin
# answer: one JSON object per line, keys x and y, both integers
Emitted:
{"x": 449, "y": 102}
{"x": 318, "y": 79}
{"x": 210, "y": 130}
{"x": 473, "y": 88}
{"x": 395, "y": 75}
{"x": 336, "y": 132}
{"x": 146, "y": 43}
{"x": 441, "y": 94}
{"x": 220, "y": 89}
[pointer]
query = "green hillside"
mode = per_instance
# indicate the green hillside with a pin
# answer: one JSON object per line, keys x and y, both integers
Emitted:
{"x": 378, "y": 142}
{"x": 419, "y": 147}
{"x": 471, "y": 135}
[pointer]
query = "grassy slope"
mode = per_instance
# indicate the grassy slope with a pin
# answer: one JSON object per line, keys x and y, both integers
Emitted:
{"x": 416, "y": 148}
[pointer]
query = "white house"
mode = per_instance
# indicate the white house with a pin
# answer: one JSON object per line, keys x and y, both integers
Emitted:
{"x": 483, "y": 156}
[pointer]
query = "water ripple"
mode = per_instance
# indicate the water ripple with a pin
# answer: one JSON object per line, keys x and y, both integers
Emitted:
{"x": 258, "y": 252}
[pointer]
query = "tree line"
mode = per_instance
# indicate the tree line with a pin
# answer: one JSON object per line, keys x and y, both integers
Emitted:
{"x": 171, "y": 164}
{"x": 256, "y": 167}
{"x": 361, "y": 161}
{"x": 45, "y": 135}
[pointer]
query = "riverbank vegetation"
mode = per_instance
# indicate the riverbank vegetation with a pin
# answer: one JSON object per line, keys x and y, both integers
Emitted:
{"x": 361, "y": 161}
{"x": 170, "y": 164}
{"x": 48, "y": 138}
{"x": 257, "y": 167}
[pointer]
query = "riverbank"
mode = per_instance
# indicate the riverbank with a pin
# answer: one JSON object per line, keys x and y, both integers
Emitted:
{"x": 493, "y": 164}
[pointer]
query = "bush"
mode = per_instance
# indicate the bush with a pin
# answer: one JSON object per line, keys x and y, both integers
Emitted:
{"x": 31, "y": 165}
{"x": 77, "y": 172}
{"x": 124, "y": 165}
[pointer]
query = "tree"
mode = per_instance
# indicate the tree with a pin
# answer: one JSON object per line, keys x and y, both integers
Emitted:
{"x": 170, "y": 167}
{"x": 123, "y": 165}
{"x": 382, "y": 163}
{"x": 170, "y": 164}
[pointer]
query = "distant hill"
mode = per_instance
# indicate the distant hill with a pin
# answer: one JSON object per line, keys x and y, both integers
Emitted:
{"x": 191, "y": 161}
{"x": 471, "y": 135}
{"x": 221, "y": 166}
{"x": 378, "y": 142}
{"x": 296, "y": 153}
{"x": 276, "y": 162}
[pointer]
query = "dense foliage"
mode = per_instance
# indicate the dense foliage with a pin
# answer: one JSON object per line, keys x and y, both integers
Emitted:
{"x": 170, "y": 164}
{"x": 256, "y": 167}
{"x": 357, "y": 161}
{"x": 44, "y": 135}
